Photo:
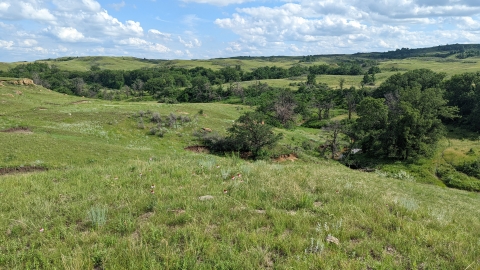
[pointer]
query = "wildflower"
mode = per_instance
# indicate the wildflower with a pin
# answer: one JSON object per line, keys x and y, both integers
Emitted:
{"x": 116, "y": 178}
{"x": 225, "y": 191}
{"x": 337, "y": 191}
{"x": 152, "y": 191}
{"x": 152, "y": 186}
{"x": 218, "y": 166}
{"x": 239, "y": 175}
{"x": 42, "y": 229}
{"x": 233, "y": 177}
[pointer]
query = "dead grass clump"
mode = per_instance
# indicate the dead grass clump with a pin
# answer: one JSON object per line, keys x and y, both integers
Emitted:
{"x": 81, "y": 102}
{"x": 24, "y": 130}
{"x": 18, "y": 170}
{"x": 290, "y": 157}
{"x": 197, "y": 149}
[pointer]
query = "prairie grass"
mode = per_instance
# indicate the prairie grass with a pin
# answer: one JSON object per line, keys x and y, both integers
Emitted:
{"x": 126, "y": 200}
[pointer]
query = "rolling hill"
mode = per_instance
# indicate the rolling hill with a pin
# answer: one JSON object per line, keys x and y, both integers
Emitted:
{"x": 83, "y": 186}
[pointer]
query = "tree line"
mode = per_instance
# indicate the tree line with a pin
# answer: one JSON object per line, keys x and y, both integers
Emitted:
{"x": 163, "y": 81}
{"x": 401, "y": 118}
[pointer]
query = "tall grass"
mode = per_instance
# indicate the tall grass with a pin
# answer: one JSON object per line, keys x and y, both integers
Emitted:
{"x": 131, "y": 201}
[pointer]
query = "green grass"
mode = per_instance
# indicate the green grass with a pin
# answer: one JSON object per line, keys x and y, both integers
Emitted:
{"x": 94, "y": 207}
{"x": 115, "y": 63}
{"x": 451, "y": 66}
{"x": 5, "y": 66}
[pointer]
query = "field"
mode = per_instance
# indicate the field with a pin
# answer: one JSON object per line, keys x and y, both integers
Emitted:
{"x": 449, "y": 65}
{"x": 83, "y": 187}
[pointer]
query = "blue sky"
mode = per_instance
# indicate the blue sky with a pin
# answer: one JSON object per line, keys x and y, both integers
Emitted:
{"x": 198, "y": 29}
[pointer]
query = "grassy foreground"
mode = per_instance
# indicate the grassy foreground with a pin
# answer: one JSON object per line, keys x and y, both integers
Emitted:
{"x": 94, "y": 207}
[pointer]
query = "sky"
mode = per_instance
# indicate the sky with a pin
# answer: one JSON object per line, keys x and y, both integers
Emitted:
{"x": 204, "y": 29}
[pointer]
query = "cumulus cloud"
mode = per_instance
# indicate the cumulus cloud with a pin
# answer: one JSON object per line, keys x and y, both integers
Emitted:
{"x": 118, "y": 6}
{"x": 76, "y": 5}
{"x": 17, "y": 10}
{"x": 29, "y": 42}
{"x": 355, "y": 25}
{"x": 144, "y": 45}
{"x": 6, "y": 44}
{"x": 104, "y": 24}
{"x": 190, "y": 44}
{"x": 218, "y": 2}
{"x": 67, "y": 34}
{"x": 134, "y": 42}
{"x": 157, "y": 34}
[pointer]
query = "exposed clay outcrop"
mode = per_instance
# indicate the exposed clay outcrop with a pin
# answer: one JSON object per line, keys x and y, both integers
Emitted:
{"x": 17, "y": 170}
{"x": 24, "y": 130}
{"x": 24, "y": 81}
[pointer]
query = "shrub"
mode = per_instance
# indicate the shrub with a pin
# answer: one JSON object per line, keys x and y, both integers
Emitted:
{"x": 97, "y": 216}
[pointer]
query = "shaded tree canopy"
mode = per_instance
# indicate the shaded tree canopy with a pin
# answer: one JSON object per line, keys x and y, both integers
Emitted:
{"x": 250, "y": 133}
{"x": 406, "y": 121}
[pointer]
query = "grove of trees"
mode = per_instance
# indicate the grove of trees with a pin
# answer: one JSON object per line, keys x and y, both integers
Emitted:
{"x": 401, "y": 118}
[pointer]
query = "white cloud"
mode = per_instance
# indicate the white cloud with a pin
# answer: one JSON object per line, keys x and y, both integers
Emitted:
{"x": 218, "y": 2}
{"x": 145, "y": 45}
{"x": 9, "y": 27}
{"x": 190, "y": 44}
{"x": 158, "y": 48}
{"x": 67, "y": 34}
{"x": 76, "y": 5}
{"x": 4, "y": 7}
{"x": 29, "y": 42}
{"x": 6, "y": 44}
{"x": 118, "y": 6}
{"x": 105, "y": 24}
{"x": 157, "y": 34}
{"x": 134, "y": 42}
{"x": 17, "y": 10}
{"x": 348, "y": 26}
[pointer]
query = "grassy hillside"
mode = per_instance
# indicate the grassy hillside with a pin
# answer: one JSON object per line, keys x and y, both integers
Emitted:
{"x": 115, "y": 198}
{"x": 451, "y": 59}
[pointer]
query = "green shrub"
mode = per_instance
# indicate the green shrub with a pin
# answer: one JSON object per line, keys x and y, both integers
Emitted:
{"x": 97, "y": 216}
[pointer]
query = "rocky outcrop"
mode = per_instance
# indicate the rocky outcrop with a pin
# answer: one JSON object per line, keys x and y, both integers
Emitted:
{"x": 22, "y": 82}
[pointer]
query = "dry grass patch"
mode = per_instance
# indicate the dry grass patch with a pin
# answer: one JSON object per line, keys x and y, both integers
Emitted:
{"x": 22, "y": 130}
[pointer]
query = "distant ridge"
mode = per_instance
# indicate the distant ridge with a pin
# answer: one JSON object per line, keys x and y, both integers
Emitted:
{"x": 460, "y": 51}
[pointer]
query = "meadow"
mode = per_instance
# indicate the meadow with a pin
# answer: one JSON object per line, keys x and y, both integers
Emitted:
{"x": 97, "y": 192}
{"x": 449, "y": 65}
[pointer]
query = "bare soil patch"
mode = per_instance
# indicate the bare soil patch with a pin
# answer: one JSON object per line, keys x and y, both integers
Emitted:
{"x": 81, "y": 102}
{"x": 198, "y": 149}
{"x": 23, "y": 82}
{"x": 24, "y": 130}
{"x": 290, "y": 157}
{"x": 18, "y": 170}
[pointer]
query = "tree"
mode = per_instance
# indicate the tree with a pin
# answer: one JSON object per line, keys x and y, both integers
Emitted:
{"x": 407, "y": 122}
{"x": 161, "y": 87}
{"x": 323, "y": 100}
{"x": 78, "y": 85}
{"x": 137, "y": 86}
{"x": 463, "y": 91}
{"x": 335, "y": 128}
{"x": 200, "y": 91}
{"x": 370, "y": 126}
{"x": 352, "y": 98}
{"x": 250, "y": 133}
{"x": 311, "y": 79}
{"x": 284, "y": 107}
{"x": 341, "y": 83}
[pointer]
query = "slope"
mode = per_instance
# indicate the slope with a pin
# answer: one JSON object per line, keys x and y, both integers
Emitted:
{"x": 114, "y": 198}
